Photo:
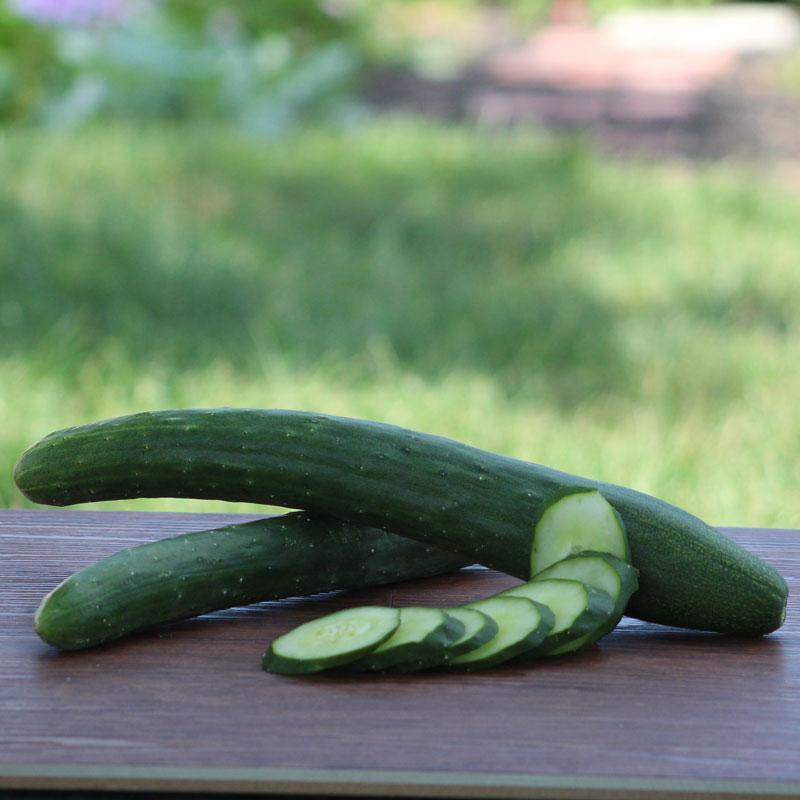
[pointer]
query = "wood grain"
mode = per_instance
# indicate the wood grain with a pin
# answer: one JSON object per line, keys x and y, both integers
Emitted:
{"x": 649, "y": 712}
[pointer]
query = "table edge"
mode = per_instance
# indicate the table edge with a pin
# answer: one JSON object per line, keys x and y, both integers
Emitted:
{"x": 443, "y": 784}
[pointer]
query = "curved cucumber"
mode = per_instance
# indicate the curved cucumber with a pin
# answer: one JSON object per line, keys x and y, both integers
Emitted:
{"x": 183, "y": 576}
{"x": 420, "y": 642}
{"x": 601, "y": 571}
{"x": 331, "y": 641}
{"x": 424, "y": 487}
{"x": 522, "y": 625}
{"x": 578, "y": 609}
{"x": 478, "y": 629}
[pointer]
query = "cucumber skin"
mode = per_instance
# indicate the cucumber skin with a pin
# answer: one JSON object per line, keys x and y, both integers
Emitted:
{"x": 425, "y": 487}
{"x": 183, "y": 576}
{"x": 454, "y": 629}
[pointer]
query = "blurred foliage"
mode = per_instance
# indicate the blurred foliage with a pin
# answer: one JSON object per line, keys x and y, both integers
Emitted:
{"x": 632, "y": 322}
{"x": 787, "y": 73}
{"x": 28, "y": 64}
{"x": 263, "y": 65}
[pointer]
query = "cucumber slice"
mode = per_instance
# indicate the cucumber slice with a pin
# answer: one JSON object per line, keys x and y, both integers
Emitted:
{"x": 331, "y": 641}
{"x": 574, "y": 523}
{"x": 522, "y": 625}
{"x": 479, "y": 628}
{"x": 578, "y": 609}
{"x": 419, "y": 642}
{"x": 601, "y": 571}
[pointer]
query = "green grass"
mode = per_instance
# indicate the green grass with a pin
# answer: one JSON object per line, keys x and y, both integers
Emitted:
{"x": 634, "y": 323}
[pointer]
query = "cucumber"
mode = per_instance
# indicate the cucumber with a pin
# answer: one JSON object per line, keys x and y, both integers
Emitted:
{"x": 575, "y": 522}
{"x": 478, "y": 629}
{"x": 425, "y": 487}
{"x": 522, "y": 625}
{"x": 420, "y": 642}
{"x": 331, "y": 641}
{"x": 183, "y": 576}
{"x": 601, "y": 571}
{"x": 578, "y": 610}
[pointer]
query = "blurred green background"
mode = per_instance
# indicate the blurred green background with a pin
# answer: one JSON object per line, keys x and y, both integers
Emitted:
{"x": 197, "y": 209}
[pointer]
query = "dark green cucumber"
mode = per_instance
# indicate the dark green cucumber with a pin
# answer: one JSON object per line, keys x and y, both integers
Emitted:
{"x": 604, "y": 572}
{"x": 332, "y": 640}
{"x": 419, "y": 643}
{"x": 478, "y": 629}
{"x": 522, "y": 625}
{"x": 578, "y": 610}
{"x": 183, "y": 576}
{"x": 425, "y": 487}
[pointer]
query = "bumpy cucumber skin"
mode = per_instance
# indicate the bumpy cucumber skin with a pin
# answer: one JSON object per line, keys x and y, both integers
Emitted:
{"x": 629, "y": 583}
{"x": 425, "y": 487}
{"x": 274, "y": 662}
{"x": 183, "y": 576}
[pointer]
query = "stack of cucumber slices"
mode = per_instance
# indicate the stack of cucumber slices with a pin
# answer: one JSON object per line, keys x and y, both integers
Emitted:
{"x": 582, "y": 581}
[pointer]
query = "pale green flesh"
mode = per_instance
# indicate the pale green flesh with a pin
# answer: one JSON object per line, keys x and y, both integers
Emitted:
{"x": 515, "y": 620}
{"x": 471, "y": 619}
{"x": 347, "y": 631}
{"x": 589, "y": 570}
{"x": 416, "y": 624}
{"x": 565, "y": 598}
{"x": 577, "y": 522}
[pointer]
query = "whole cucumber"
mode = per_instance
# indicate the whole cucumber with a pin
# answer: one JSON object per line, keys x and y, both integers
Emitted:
{"x": 426, "y": 487}
{"x": 183, "y": 576}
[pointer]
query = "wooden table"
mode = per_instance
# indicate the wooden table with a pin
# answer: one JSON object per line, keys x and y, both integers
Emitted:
{"x": 650, "y": 712}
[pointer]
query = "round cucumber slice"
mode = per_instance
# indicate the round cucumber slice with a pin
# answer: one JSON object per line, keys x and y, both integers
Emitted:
{"x": 418, "y": 642}
{"x": 601, "y": 571}
{"x": 522, "y": 625}
{"x": 331, "y": 641}
{"x": 479, "y": 628}
{"x": 578, "y": 609}
{"x": 574, "y": 523}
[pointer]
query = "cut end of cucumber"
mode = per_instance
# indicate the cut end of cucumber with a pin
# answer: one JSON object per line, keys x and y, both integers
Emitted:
{"x": 574, "y": 523}
{"x": 332, "y": 640}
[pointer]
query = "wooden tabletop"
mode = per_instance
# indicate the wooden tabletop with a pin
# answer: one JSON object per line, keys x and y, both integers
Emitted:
{"x": 651, "y": 712}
